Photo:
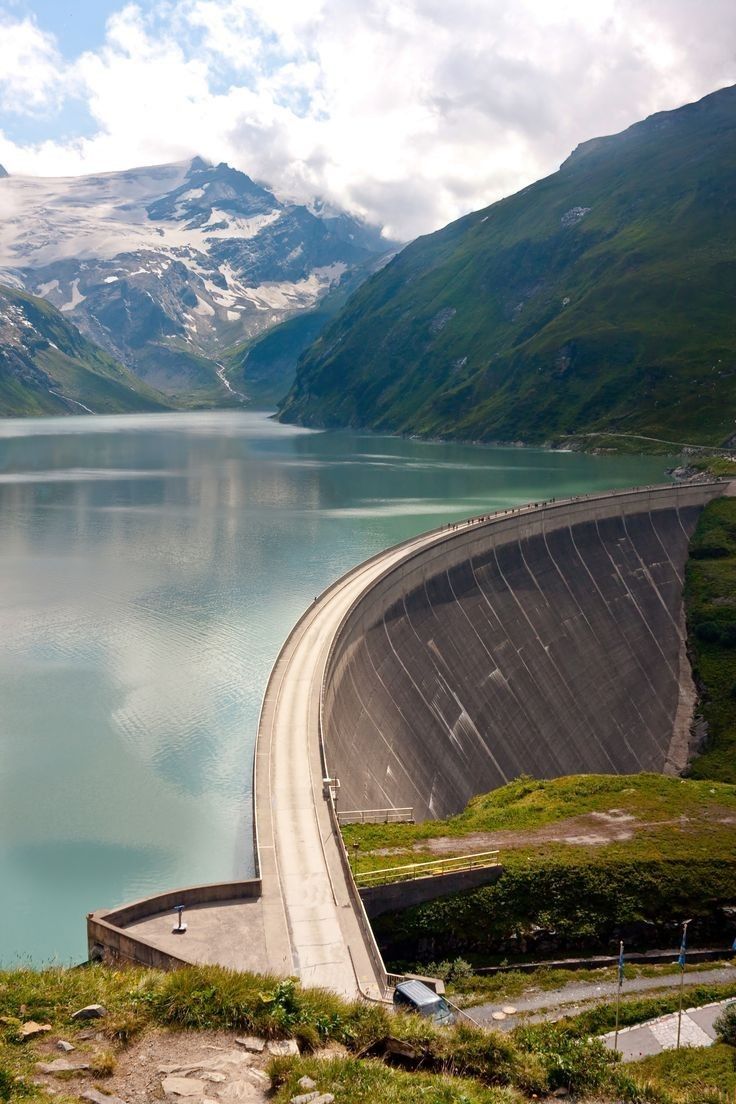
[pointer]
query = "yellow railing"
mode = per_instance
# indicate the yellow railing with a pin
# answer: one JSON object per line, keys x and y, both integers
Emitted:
{"x": 430, "y": 869}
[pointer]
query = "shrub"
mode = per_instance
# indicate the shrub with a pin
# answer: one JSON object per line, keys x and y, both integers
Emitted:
{"x": 710, "y": 550}
{"x": 725, "y": 1025}
{"x": 7, "y": 1084}
{"x": 103, "y": 1064}
{"x": 571, "y": 1062}
{"x": 365, "y": 1025}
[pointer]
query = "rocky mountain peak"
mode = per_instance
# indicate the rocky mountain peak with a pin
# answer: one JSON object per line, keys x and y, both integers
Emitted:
{"x": 166, "y": 267}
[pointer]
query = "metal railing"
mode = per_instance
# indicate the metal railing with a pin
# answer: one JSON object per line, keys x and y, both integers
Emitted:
{"x": 430, "y": 869}
{"x": 376, "y": 816}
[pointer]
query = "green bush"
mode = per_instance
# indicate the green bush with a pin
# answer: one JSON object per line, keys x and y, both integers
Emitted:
{"x": 709, "y": 632}
{"x": 710, "y": 583}
{"x": 725, "y": 1025}
{"x": 710, "y": 551}
{"x": 571, "y": 1062}
{"x": 7, "y": 1084}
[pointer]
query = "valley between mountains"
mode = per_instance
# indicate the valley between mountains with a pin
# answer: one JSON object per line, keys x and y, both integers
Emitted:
{"x": 595, "y": 307}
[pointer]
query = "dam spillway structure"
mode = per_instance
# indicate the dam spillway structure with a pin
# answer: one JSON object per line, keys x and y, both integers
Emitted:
{"x": 545, "y": 641}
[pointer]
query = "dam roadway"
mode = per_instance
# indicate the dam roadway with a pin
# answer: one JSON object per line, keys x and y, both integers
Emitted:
{"x": 310, "y": 922}
{"x": 548, "y": 639}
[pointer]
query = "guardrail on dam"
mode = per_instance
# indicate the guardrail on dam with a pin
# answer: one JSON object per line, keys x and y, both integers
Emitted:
{"x": 548, "y": 641}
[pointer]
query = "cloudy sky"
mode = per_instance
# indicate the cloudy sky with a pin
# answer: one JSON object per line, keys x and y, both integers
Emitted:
{"x": 409, "y": 112}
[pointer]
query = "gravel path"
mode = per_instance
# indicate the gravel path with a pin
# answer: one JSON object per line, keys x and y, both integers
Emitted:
{"x": 575, "y": 996}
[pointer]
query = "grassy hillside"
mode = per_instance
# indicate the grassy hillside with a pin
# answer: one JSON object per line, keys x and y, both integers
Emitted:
{"x": 343, "y": 1046}
{"x": 48, "y": 367}
{"x": 264, "y": 368}
{"x": 587, "y": 859}
{"x": 710, "y": 601}
{"x": 600, "y": 298}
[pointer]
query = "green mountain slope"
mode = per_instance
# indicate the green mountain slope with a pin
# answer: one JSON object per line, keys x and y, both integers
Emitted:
{"x": 48, "y": 367}
{"x": 600, "y": 298}
{"x": 264, "y": 368}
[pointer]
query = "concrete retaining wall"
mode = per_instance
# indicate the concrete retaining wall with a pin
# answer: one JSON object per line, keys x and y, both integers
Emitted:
{"x": 545, "y": 642}
{"x": 403, "y": 895}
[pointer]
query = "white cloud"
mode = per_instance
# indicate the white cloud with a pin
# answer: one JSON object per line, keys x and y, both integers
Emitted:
{"x": 30, "y": 66}
{"x": 410, "y": 112}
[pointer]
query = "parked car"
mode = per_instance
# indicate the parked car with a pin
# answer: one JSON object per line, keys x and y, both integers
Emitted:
{"x": 415, "y": 996}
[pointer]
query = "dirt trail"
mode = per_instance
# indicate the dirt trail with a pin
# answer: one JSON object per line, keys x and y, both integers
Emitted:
{"x": 587, "y": 830}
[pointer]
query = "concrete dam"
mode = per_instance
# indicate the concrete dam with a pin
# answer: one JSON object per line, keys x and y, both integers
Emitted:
{"x": 544, "y": 642}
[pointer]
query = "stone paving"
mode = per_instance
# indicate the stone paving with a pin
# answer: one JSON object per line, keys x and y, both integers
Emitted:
{"x": 661, "y": 1034}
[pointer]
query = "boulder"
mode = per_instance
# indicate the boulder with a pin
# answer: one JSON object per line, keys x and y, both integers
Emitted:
{"x": 236, "y": 1091}
{"x": 90, "y": 1012}
{"x": 252, "y": 1043}
{"x": 283, "y": 1048}
{"x": 61, "y": 1065}
{"x": 30, "y": 1029}
{"x": 401, "y": 1048}
{"x": 183, "y": 1086}
{"x": 306, "y": 1084}
{"x": 62, "y": 1044}
{"x": 96, "y": 1097}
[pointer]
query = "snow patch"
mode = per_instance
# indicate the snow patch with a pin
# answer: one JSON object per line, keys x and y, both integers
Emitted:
{"x": 203, "y": 308}
{"x": 76, "y": 298}
{"x": 44, "y": 289}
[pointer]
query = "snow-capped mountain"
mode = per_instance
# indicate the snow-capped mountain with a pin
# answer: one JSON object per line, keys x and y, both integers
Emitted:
{"x": 167, "y": 266}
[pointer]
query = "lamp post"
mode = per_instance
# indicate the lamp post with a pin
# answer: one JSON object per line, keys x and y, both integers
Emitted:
{"x": 180, "y": 928}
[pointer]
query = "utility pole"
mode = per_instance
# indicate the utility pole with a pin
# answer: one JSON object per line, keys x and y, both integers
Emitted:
{"x": 681, "y": 960}
{"x": 618, "y": 990}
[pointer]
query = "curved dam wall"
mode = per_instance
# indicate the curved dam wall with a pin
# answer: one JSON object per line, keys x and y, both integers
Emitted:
{"x": 545, "y": 641}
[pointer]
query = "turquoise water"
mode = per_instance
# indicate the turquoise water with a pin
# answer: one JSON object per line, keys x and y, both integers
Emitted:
{"x": 150, "y": 568}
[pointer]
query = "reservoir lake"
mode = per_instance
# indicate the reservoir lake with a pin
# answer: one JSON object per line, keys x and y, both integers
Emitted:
{"x": 150, "y": 568}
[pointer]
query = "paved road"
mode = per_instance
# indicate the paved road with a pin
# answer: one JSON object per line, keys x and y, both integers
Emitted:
{"x": 311, "y": 926}
{"x": 578, "y": 995}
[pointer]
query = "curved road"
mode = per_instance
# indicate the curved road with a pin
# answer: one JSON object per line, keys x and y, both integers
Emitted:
{"x": 310, "y": 921}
